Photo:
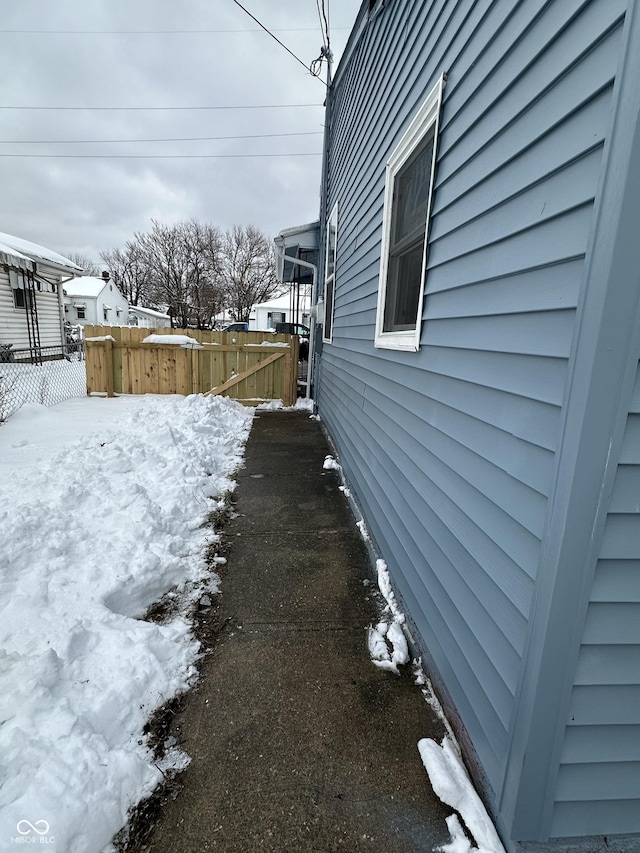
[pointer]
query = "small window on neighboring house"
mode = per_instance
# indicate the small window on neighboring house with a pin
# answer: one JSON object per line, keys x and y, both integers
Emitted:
{"x": 331, "y": 239}
{"x": 407, "y": 206}
{"x": 105, "y": 313}
{"x": 81, "y": 313}
{"x": 21, "y": 298}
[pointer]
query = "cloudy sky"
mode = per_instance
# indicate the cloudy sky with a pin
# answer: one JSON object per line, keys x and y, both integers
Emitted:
{"x": 170, "y": 55}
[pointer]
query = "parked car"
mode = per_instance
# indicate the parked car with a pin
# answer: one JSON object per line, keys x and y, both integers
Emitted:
{"x": 236, "y": 327}
{"x": 296, "y": 329}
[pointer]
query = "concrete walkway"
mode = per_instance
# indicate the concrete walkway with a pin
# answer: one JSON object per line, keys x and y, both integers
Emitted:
{"x": 298, "y": 742}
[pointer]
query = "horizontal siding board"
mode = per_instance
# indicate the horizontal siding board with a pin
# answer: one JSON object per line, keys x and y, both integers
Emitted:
{"x": 516, "y": 587}
{"x": 546, "y": 60}
{"x": 548, "y": 243}
{"x": 543, "y": 112}
{"x": 621, "y": 540}
{"x": 617, "y": 580}
{"x": 471, "y": 424}
{"x": 613, "y": 623}
{"x": 521, "y": 418}
{"x": 601, "y": 781}
{"x": 634, "y": 408}
{"x": 596, "y": 818}
{"x": 515, "y": 36}
{"x": 569, "y": 188}
{"x": 625, "y": 497}
{"x": 605, "y": 705}
{"x": 440, "y": 458}
{"x": 580, "y": 132}
{"x": 533, "y": 290}
{"x": 611, "y": 664}
{"x": 602, "y": 744}
{"x": 630, "y": 454}
{"x": 546, "y": 333}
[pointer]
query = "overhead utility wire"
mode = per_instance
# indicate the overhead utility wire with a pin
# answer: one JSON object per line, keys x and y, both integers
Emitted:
{"x": 243, "y": 107}
{"x": 159, "y": 156}
{"x": 164, "y": 139}
{"x": 152, "y": 32}
{"x": 253, "y": 18}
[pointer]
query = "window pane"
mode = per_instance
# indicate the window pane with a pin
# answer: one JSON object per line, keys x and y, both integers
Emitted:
{"x": 331, "y": 250}
{"x": 411, "y": 194}
{"x": 403, "y": 289}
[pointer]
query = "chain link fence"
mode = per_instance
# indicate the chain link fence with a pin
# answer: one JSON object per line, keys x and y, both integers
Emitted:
{"x": 45, "y": 375}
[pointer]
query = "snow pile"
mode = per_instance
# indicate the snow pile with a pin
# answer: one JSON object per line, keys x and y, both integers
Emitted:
{"x": 91, "y": 538}
{"x": 303, "y": 404}
{"x": 387, "y": 641}
{"x": 451, "y": 783}
{"x": 330, "y": 464}
{"x": 185, "y": 341}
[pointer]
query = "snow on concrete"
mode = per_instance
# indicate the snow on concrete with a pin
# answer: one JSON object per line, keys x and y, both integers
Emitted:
{"x": 103, "y": 507}
{"x": 451, "y": 783}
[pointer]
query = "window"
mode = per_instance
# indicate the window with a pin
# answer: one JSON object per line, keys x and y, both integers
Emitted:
{"x": 407, "y": 206}
{"x": 331, "y": 239}
{"x": 81, "y": 312}
{"x": 21, "y": 298}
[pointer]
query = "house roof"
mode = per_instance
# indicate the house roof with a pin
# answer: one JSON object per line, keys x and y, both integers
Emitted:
{"x": 21, "y": 249}
{"x": 13, "y": 258}
{"x": 88, "y": 286}
{"x": 149, "y": 312}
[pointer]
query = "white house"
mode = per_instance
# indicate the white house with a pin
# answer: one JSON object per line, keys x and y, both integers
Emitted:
{"x": 31, "y": 307}
{"x": 148, "y": 318}
{"x": 282, "y": 309}
{"x": 89, "y": 300}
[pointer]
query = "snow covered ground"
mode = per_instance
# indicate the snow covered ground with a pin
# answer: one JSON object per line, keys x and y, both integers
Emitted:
{"x": 103, "y": 510}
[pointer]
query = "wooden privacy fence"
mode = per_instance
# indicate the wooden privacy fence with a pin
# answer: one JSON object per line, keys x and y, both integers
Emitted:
{"x": 249, "y": 367}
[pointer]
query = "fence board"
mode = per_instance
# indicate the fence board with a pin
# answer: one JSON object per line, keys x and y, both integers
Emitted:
{"x": 244, "y": 366}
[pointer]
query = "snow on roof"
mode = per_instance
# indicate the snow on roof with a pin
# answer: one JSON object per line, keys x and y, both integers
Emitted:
{"x": 283, "y": 301}
{"x": 147, "y": 312}
{"x": 13, "y": 257}
{"x": 36, "y": 252}
{"x": 88, "y": 286}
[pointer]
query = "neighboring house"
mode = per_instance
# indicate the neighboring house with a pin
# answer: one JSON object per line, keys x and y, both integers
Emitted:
{"x": 282, "y": 309}
{"x": 479, "y": 376}
{"x": 31, "y": 312}
{"x": 148, "y": 318}
{"x": 89, "y": 300}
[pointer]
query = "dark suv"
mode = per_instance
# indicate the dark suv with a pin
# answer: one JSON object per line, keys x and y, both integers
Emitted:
{"x": 296, "y": 329}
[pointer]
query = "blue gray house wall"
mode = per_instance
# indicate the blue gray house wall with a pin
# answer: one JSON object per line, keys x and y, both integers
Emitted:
{"x": 465, "y": 456}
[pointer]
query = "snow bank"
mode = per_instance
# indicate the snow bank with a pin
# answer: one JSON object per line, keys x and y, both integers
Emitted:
{"x": 91, "y": 538}
{"x": 451, "y": 783}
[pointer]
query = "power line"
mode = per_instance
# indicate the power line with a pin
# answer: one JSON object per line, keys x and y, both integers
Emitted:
{"x": 243, "y": 107}
{"x": 158, "y": 156}
{"x": 156, "y": 32}
{"x": 164, "y": 139}
{"x": 253, "y": 18}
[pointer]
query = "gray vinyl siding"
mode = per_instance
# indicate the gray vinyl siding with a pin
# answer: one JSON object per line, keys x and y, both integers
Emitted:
{"x": 13, "y": 321}
{"x": 450, "y": 451}
{"x": 600, "y": 760}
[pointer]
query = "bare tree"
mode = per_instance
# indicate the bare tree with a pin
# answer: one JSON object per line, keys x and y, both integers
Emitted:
{"x": 248, "y": 269}
{"x": 183, "y": 263}
{"x": 129, "y": 271}
{"x": 89, "y": 267}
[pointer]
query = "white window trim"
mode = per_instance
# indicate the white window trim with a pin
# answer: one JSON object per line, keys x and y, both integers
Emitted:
{"x": 428, "y": 115}
{"x": 331, "y": 221}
